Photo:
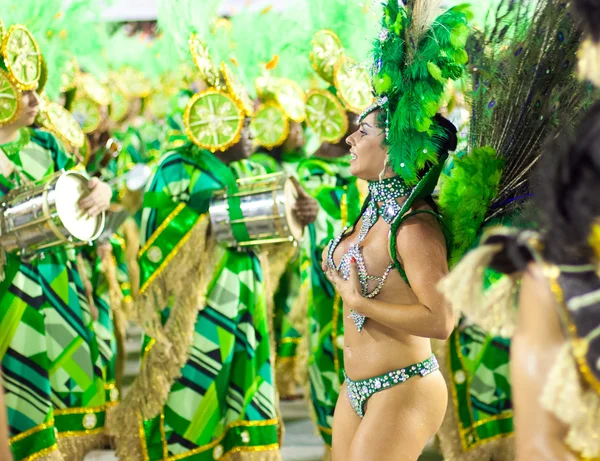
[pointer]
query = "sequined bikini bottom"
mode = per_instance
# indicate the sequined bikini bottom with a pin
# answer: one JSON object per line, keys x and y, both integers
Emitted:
{"x": 361, "y": 391}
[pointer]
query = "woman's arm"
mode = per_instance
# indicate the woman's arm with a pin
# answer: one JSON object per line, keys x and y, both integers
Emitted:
{"x": 534, "y": 349}
{"x": 422, "y": 248}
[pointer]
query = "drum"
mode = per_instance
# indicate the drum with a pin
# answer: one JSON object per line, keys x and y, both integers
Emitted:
{"x": 43, "y": 215}
{"x": 259, "y": 213}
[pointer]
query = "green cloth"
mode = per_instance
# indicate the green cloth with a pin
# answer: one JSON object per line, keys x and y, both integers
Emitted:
{"x": 224, "y": 399}
{"x": 49, "y": 351}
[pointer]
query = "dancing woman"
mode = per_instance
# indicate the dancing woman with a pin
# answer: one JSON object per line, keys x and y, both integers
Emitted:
{"x": 387, "y": 265}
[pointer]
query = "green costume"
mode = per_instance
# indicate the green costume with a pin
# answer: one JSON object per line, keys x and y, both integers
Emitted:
{"x": 224, "y": 400}
{"x": 50, "y": 357}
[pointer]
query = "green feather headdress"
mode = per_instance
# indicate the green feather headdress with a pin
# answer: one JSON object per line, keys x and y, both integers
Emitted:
{"x": 415, "y": 55}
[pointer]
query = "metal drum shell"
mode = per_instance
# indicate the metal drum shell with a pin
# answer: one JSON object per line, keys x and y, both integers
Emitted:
{"x": 265, "y": 204}
{"x": 29, "y": 219}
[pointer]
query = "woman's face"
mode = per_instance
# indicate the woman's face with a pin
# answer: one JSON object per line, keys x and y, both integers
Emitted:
{"x": 30, "y": 106}
{"x": 368, "y": 153}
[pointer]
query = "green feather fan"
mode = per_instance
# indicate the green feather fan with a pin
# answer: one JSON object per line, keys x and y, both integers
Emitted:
{"x": 415, "y": 56}
{"x": 469, "y": 188}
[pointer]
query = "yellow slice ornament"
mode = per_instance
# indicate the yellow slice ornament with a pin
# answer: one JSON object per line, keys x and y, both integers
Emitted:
{"x": 270, "y": 125}
{"x": 119, "y": 104}
{"x": 202, "y": 59}
{"x": 68, "y": 79}
{"x": 87, "y": 113}
{"x": 237, "y": 90}
{"x": 214, "y": 120}
{"x": 326, "y": 51}
{"x": 292, "y": 99}
{"x": 326, "y": 116}
{"x": 133, "y": 83}
{"x": 64, "y": 125}
{"x": 22, "y": 58}
{"x": 93, "y": 89}
{"x": 9, "y": 99}
{"x": 353, "y": 85}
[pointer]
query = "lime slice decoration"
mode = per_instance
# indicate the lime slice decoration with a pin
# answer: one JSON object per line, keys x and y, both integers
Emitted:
{"x": 237, "y": 90}
{"x": 133, "y": 83}
{"x": 9, "y": 99}
{"x": 42, "y": 116}
{"x": 94, "y": 90}
{"x": 353, "y": 85}
{"x": 68, "y": 79}
{"x": 326, "y": 51}
{"x": 265, "y": 86}
{"x": 270, "y": 126}
{"x": 159, "y": 103}
{"x": 326, "y": 116}
{"x": 201, "y": 58}
{"x": 214, "y": 120}
{"x": 119, "y": 104}
{"x": 292, "y": 99}
{"x": 87, "y": 113}
{"x": 22, "y": 58}
{"x": 64, "y": 124}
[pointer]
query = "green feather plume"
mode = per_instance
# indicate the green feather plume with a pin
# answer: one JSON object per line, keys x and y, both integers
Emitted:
{"x": 467, "y": 191}
{"x": 412, "y": 67}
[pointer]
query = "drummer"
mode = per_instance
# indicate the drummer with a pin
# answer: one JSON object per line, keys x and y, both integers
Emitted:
{"x": 52, "y": 378}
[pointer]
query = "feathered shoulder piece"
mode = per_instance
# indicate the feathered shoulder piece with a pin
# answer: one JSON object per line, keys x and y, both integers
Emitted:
{"x": 415, "y": 54}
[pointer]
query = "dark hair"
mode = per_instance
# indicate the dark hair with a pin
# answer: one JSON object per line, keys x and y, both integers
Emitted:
{"x": 589, "y": 12}
{"x": 450, "y": 133}
{"x": 567, "y": 191}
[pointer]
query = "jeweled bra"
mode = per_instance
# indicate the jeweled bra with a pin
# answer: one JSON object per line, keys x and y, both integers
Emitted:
{"x": 385, "y": 192}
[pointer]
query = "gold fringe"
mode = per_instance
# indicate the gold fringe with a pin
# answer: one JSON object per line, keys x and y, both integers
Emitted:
{"x": 576, "y": 405}
{"x": 271, "y": 455}
{"x": 327, "y": 454}
{"x": 494, "y": 310}
{"x": 76, "y": 447}
{"x": 54, "y": 455}
{"x": 502, "y": 449}
{"x": 185, "y": 279}
{"x": 131, "y": 233}
{"x": 589, "y": 62}
{"x": 87, "y": 285}
{"x": 299, "y": 318}
{"x": 108, "y": 267}
{"x": 286, "y": 374}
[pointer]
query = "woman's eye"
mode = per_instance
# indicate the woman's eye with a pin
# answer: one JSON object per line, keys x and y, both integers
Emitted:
{"x": 362, "y": 133}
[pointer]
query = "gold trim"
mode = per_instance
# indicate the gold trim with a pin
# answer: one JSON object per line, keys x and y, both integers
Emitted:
{"x": 340, "y": 108}
{"x": 79, "y": 411}
{"x": 488, "y": 420}
{"x": 68, "y": 434}
{"x": 213, "y": 147}
{"x": 148, "y": 348}
{"x": 170, "y": 257}
{"x": 291, "y": 341}
{"x": 284, "y": 118}
{"x": 44, "y": 452}
{"x": 5, "y": 39}
{"x": 163, "y": 436}
{"x": 28, "y": 432}
{"x": 211, "y": 80}
{"x": 142, "y": 435}
{"x": 229, "y": 78}
{"x": 327, "y": 430}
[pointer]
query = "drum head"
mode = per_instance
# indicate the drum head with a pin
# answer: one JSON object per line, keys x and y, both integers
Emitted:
{"x": 137, "y": 177}
{"x": 70, "y": 188}
{"x": 291, "y": 196}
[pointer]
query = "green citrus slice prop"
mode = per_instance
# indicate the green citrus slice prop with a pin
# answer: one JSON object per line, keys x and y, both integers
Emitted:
{"x": 119, "y": 104}
{"x": 326, "y": 51}
{"x": 159, "y": 103}
{"x": 64, "y": 124}
{"x": 94, "y": 90}
{"x": 353, "y": 85}
{"x": 326, "y": 116}
{"x": 68, "y": 79}
{"x": 22, "y": 58}
{"x": 237, "y": 90}
{"x": 87, "y": 113}
{"x": 292, "y": 99}
{"x": 134, "y": 83}
{"x": 9, "y": 99}
{"x": 214, "y": 120}
{"x": 270, "y": 126}
{"x": 265, "y": 86}
{"x": 201, "y": 58}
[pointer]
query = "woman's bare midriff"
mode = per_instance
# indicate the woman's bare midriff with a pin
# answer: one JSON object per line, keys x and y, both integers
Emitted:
{"x": 378, "y": 349}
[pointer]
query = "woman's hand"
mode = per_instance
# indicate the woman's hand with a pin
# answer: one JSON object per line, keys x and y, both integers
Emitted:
{"x": 98, "y": 200}
{"x": 349, "y": 290}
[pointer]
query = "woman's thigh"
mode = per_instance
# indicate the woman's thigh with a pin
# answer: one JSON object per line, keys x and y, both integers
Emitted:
{"x": 400, "y": 421}
{"x": 345, "y": 425}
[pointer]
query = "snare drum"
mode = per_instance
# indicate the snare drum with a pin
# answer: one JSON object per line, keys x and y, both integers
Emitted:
{"x": 39, "y": 216}
{"x": 259, "y": 213}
